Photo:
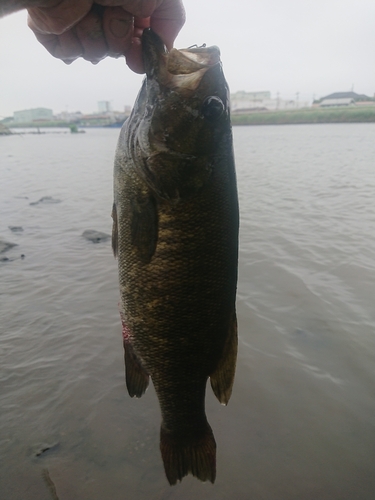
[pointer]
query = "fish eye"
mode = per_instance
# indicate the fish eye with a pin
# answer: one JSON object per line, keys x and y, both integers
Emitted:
{"x": 212, "y": 107}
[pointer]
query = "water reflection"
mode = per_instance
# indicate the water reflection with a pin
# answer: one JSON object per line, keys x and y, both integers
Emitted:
{"x": 300, "y": 423}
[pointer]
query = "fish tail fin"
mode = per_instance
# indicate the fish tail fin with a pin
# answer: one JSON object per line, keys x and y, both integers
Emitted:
{"x": 196, "y": 456}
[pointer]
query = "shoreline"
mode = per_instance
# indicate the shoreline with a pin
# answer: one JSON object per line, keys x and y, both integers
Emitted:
{"x": 353, "y": 114}
{"x": 306, "y": 116}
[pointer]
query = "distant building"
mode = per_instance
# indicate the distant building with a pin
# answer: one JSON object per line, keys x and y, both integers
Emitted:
{"x": 341, "y": 101}
{"x": 252, "y": 97}
{"x": 244, "y": 102}
{"x": 66, "y": 116}
{"x": 344, "y": 99}
{"x": 348, "y": 95}
{"x": 32, "y": 115}
{"x": 104, "y": 106}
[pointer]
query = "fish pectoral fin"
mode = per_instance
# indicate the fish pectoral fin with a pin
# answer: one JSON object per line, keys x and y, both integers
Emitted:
{"x": 144, "y": 226}
{"x": 223, "y": 377}
{"x": 114, "y": 231}
{"x": 137, "y": 379}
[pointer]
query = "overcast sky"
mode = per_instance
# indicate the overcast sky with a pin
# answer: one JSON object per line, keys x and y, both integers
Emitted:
{"x": 286, "y": 46}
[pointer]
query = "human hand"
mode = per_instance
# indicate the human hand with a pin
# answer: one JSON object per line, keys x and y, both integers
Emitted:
{"x": 80, "y": 28}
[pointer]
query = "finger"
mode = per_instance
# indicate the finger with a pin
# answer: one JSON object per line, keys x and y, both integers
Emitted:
{"x": 66, "y": 46}
{"x": 59, "y": 18}
{"x": 133, "y": 56}
{"x": 140, "y": 24}
{"x": 118, "y": 30}
{"x": 89, "y": 31}
{"x": 167, "y": 20}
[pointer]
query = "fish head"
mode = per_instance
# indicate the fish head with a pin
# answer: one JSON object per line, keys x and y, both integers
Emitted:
{"x": 185, "y": 99}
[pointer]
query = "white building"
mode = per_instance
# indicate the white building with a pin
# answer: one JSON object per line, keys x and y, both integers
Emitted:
{"x": 243, "y": 102}
{"x": 66, "y": 116}
{"x": 339, "y": 99}
{"x": 104, "y": 106}
{"x": 333, "y": 103}
{"x": 32, "y": 115}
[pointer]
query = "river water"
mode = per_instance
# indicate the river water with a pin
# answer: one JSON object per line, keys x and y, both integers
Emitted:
{"x": 301, "y": 420}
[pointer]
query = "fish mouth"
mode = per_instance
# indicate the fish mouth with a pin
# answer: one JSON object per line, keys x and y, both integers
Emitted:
{"x": 182, "y": 68}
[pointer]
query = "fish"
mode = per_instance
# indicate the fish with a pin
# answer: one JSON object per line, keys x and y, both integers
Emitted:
{"x": 175, "y": 236}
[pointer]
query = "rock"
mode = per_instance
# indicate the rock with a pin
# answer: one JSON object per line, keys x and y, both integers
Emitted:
{"x": 7, "y": 259}
{"x": 46, "y": 200}
{"x": 6, "y": 245}
{"x": 95, "y": 236}
{"x": 4, "y": 130}
{"x": 45, "y": 447}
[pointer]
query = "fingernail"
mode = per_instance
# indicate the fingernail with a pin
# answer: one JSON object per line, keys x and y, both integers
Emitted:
{"x": 120, "y": 27}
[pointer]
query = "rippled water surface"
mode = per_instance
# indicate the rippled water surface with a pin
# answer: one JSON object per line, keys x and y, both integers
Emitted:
{"x": 301, "y": 421}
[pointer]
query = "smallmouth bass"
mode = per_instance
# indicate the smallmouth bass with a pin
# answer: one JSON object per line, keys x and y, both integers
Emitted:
{"x": 175, "y": 234}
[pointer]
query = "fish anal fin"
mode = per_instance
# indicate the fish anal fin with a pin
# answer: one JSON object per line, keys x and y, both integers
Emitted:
{"x": 144, "y": 226}
{"x": 196, "y": 456}
{"x": 223, "y": 377}
{"x": 137, "y": 378}
{"x": 114, "y": 231}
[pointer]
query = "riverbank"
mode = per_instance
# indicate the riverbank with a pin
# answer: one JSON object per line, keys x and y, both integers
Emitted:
{"x": 355, "y": 114}
{"x": 307, "y": 115}
{"x": 39, "y": 124}
{"x": 62, "y": 124}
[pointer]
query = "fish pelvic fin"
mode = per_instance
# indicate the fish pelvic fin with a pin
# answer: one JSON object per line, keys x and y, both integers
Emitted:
{"x": 196, "y": 456}
{"x": 137, "y": 378}
{"x": 114, "y": 231}
{"x": 223, "y": 377}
